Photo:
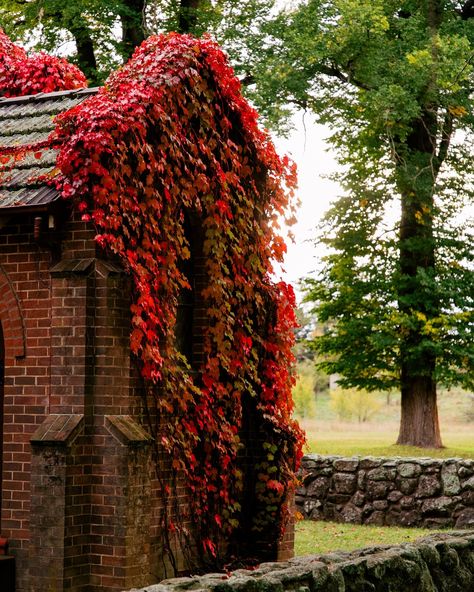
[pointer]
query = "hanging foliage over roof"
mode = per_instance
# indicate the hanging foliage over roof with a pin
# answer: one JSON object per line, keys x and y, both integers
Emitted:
{"x": 27, "y": 74}
{"x": 170, "y": 136}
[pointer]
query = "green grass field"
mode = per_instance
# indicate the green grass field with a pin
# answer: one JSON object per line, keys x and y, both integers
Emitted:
{"x": 325, "y": 537}
{"x": 326, "y": 434}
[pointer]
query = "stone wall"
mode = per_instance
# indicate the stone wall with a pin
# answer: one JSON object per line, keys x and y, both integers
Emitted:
{"x": 424, "y": 492}
{"x": 439, "y": 562}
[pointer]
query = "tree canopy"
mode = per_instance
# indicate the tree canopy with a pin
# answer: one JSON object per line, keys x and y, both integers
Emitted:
{"x": 393, "y": 80}
{"x": 99, "y": 35}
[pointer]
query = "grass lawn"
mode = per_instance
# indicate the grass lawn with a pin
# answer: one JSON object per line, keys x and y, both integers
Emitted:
{"x": 326, "y": 434}
{"x": 373, "y": 439}
{"x": 314, "y": 537}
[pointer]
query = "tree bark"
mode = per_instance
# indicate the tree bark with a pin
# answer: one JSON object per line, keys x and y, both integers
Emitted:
{"x": 419, "y": 425}
{"x": 133, "y": 31}
{"x": 187, "y": 17}
{"x": 418, "y": 167}
{"x": 85, "y": 51}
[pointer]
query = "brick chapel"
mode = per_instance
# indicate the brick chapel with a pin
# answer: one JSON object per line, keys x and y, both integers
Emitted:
{"x": 78, "y": 506}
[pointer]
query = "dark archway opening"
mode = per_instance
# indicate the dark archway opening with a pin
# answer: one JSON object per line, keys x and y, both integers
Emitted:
{"x": 191, "y": 318}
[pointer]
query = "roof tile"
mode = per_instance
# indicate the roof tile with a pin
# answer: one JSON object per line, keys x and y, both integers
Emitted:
{"x": 25, "y": 121}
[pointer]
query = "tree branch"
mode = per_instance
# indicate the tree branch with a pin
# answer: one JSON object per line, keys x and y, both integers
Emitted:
{"x": 337, "y": 73}
{"x": 445, "y": 140}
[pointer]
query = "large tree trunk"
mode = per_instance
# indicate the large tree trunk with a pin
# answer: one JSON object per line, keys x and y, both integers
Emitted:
{"x": 419, "y": 424}
{"x": 133, "y": 29}
{"x": 85, "y": 50}
{"x": 187, "y": 16}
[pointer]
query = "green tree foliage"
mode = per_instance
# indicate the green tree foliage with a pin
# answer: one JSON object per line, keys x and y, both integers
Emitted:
{"x": 105, "y": 32}
{"x": 393, "y": 80}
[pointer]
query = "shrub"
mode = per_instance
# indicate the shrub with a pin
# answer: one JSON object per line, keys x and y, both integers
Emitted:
{"x": 304, "y": 397}
{"x": 354, "y": 403}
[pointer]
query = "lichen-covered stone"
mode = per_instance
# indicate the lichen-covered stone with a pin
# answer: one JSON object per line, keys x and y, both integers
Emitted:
{"x": 318, "y": 488}
{"x": 348, "y": 465}
{"x": 428, "y": 485}
{"x": 466, "y": 519}
{"x": 370, "y": 462}
{"x": 381, "y": 474}
{"x": 344, "y": 482}
{"x": 437, "y": 506}
{"x": 399, "y": 487}
{"x": 450, "y": 479}
{"x": 407, "y": 486}
{"x": 352, "y": 514}
{"x": 409, "y": 470}
{"x": 376, "y": 489}
{"x": 439, "y": 562}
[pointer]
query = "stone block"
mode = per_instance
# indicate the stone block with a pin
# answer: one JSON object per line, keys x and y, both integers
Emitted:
{"x": 318, "y": 488}
{"x": 394, "y": 496}
{"x": 465, "y": 471}
{"x": 344, "y": 482}
{"x": 309, "y": 505}
{"x": 407, "y": 501}
{"x": 468, "y": 498}
{"x": 381, "y": 474}
{"x": 370, "y": 462}
{"x": 450, "y": 480}
{"x": 347, "y": 465}
{"x": 377, "y": 489}
{"x": 407, "y": 486}
{"x": 465, "y": 519}
{"x": 352, "y": 514}
{"x": 376, "y": 518}
{"x": 439, "y": 506}
{"x": 361, "y": 480}
{"x": 428, "y": 486}
{"x": 408, "y": 470}
{"x": 358, "y": 498}
{"x": 408, "y": 518}
{"x": 468, "y": 484}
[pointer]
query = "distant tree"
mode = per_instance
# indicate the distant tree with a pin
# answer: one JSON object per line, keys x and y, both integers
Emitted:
{"x": 393, "y": 79}
{"x": 105, "y": 32}
{"x": 304, "y": 396}
{"x": 358, "y": 403}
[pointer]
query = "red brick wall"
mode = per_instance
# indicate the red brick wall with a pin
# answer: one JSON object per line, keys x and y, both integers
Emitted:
{"x": 97, "y": 524}
{"x": 24, "y": 312}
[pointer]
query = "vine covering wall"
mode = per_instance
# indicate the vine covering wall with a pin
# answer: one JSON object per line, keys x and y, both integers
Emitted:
{"x": 27, "y": 74}
{"x": 168, "y": 138}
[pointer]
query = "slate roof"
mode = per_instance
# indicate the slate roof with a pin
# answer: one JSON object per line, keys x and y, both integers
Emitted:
{"x": 23, "y": 121}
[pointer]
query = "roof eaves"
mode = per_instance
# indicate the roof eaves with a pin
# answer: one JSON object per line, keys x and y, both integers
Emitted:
{"x": 47, "y": 96}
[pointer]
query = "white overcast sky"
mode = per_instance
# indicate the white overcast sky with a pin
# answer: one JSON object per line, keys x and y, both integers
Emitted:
{"x": 307, "y": 146}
